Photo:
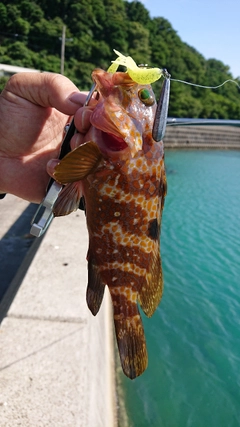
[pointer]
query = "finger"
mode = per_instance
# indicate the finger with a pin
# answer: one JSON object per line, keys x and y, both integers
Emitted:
{"x": 77, "y": 139}
{"x": 51, "y": 166}
{"x": 82, "y": 119}
{"x": 46, "y": 90}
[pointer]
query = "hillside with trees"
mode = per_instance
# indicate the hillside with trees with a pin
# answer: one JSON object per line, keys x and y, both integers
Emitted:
{"x": 31, "y": 32}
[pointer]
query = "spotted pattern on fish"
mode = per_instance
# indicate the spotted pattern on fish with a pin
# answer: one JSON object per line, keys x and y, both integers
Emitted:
{"x": 124, "y": 217}
{"x": 124, "y": 194}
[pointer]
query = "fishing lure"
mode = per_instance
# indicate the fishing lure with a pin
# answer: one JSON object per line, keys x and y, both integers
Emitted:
{"x": 139, "y": 74}
{"x": 160, "y": 120}
{"x": 144, "y": 75}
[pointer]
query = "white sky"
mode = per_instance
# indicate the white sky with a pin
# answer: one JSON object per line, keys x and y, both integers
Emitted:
{"x": 212, "y": 27}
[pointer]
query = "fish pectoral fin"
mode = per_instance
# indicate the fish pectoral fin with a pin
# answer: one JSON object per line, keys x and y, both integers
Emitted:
{"x": 77, "y": 164}
{"x": 68, "y": 199}
{"x": 95, "y": 288}
{"x": 130, "y": 338}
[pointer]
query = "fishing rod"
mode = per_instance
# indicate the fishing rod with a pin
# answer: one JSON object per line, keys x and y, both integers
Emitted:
{"x": 172, "y": 121}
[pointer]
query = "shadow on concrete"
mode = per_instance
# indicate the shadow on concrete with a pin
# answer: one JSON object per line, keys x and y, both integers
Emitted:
{"x": 17, "y": 250}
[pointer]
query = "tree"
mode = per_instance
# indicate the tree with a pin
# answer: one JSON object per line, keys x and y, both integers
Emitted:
{"x": 31, "y": 37}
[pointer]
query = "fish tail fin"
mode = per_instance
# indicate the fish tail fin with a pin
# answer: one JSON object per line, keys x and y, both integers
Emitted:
{"x": 95, "y": 289}
{"x": 130, "y": 337}
{"x": 68, "y": 200}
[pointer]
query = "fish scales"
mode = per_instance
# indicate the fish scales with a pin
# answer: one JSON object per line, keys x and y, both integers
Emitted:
{"x": 124, "y": 244}
{"x": 124, "y": 198}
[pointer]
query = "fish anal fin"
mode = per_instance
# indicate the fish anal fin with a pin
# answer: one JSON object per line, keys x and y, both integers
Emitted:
{"x": 78, "y": 164}
{"x": 95, "y": 288}
{"x": 130, "y": 337}
{"x": 68, "y": 199}
{"x": 150, "y": 293}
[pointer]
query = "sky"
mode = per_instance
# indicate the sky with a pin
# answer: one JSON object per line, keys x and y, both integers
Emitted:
{"x": 212, "y": 27}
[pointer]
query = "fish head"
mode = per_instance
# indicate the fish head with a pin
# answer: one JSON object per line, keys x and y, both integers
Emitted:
{"x": 122, "y": 119}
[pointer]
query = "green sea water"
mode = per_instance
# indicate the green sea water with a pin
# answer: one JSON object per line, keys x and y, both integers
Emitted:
{"x": 193, "y": 339}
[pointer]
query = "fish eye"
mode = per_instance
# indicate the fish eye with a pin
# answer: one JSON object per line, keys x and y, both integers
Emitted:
{"x": 146, "y": 97}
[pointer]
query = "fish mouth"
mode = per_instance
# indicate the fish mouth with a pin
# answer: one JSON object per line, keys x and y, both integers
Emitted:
{"x": 111, "y": 145}
{"x": 112, "y": 142}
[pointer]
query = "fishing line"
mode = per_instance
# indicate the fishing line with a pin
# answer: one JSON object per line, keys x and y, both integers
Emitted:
{"x": 206, "y": 87}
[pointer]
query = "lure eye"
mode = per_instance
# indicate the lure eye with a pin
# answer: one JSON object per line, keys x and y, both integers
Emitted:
{"x": 146, "y": 97}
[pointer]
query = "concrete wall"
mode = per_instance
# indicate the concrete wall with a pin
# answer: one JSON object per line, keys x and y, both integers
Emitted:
{"x": 57, "y": 360}
{"x": 202, "y": 137}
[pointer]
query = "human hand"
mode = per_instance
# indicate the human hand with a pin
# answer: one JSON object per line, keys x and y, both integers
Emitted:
{"x": 34, "y": 108}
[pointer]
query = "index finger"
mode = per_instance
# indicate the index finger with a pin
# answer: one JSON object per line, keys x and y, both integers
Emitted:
{"x": 46, "y": 90}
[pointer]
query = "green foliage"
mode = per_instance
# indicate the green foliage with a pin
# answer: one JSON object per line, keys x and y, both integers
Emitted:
{"x": 31, "y": 33}
{"x": 137, "y": 12}
{"x": 138, "y": 42}
{"x": 3, "y": 81}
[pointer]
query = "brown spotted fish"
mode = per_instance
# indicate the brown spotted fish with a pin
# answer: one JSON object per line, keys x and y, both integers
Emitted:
{"x": 119, "y": 170}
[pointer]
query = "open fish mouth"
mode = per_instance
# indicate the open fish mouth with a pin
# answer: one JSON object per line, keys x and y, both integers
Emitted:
{"x": 110, "y": 144}
{"x": 113, "y": 142}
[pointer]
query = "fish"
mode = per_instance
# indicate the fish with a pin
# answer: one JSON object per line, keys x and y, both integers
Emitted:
{"x": 119, "y": 172}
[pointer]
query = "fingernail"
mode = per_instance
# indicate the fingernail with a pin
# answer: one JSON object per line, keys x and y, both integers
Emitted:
{"x": 51, "y": 164}
{"x": 76, "y": 140}
{"x": 77, "y": 98}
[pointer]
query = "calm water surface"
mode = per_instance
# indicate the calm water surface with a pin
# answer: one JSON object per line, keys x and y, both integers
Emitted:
{"x": 193, "y": 377}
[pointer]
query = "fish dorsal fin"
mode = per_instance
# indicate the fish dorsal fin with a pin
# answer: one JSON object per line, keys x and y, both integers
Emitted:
{"x": 150, "y": 295}
{"x": 77, "y": 164}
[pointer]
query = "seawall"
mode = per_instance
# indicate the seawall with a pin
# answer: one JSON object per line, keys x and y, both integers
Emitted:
{"x": 201, "y": 137}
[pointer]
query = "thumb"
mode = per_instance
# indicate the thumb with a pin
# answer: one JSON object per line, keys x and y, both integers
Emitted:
{"x": 46, "y": 90}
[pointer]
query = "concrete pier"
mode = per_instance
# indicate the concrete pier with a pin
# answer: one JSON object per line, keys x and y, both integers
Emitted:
{"x": 56, "y": 359}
